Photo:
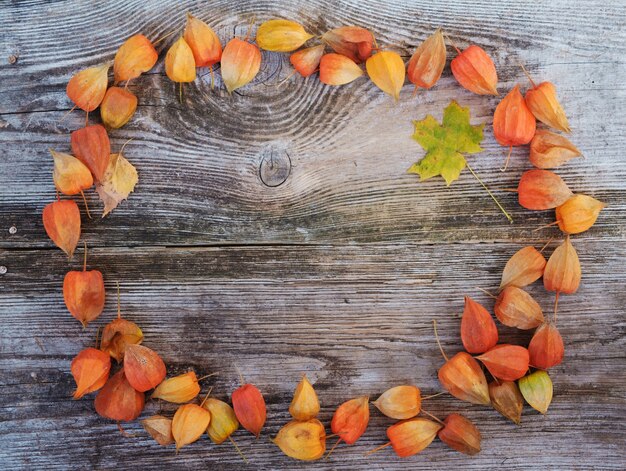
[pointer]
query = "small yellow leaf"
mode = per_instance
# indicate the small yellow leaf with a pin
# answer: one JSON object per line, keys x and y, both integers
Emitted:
{"x": 119, "y": 181}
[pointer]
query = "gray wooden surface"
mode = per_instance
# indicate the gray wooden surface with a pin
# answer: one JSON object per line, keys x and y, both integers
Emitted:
{"x": 338, "y": 271}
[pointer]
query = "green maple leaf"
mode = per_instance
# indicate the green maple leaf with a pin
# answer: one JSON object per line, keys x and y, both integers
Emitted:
{"x": 446, "y": 143}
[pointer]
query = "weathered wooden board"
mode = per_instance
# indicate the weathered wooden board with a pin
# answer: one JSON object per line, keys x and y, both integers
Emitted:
{"x": 349, "y": 146}
{"x": 336, "y": 272}
{"x": 356, "y": 319}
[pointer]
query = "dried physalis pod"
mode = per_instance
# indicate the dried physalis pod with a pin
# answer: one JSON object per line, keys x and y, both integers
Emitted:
{"x": 578, "y": 213}
{"x": 92, "y": 147}
{"x": 400, "y": 402}
{"x": 523, "y": 268}
{"x": 241, "y": 62}
{"x": 281, "y": 36}
{"x": 386, "y": 70}
{"x": 336, "y": 69}
{"x": 513, "y": 123}
{"x": 144, "y": 367}
{"x": 350, "y": 41}
{"x": 542, "y": 189}
{"x": 516, "y": 308}
{"x": 180, "y": 65}
{"x": 136, "y": 56}
{"x": 118, "y": 107}
{"x": 302, "y": 440}
{"x": 350, "y": 420}
{"x": 409, "y": 437}
{"x": 544, "y": 104}
{"x": 83, "y": 292}
{"x": 463, "y": 377}
{"x": 118, "y": 334}
{"x": 61, "y": 220}
{"x": 179, "y": 389}
{"x": 475, "y": 71}
{"x": 307, "y": 61}
{"x": 427, "y": 62}
{"x": 304, "y": 405}
{"x": 70, "y": 175}
{"x": 506, "y": 362}
{"x": 546, "y": 347}
{"x": 189, "y": 423}
{"x": 563, "y": 272}
{"x": 90, "y": 369}
{"x": 507, "y": 399}
{"x": 159, "y": 428}
{"x": 249, "y": 406}
{"x": 460, "y": 434}
{"x": 118, "y": 400}
{"x": 204, "y": 43}
{"x": 537, "y": 390}
{"x": 223, "y": 420}
{"x": 87, "y": 87}
{"x": 478, "y": 330}
{"x": 551, "y": 150}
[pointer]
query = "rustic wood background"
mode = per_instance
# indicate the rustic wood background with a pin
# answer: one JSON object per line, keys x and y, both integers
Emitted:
{"x": 338, "y": 271}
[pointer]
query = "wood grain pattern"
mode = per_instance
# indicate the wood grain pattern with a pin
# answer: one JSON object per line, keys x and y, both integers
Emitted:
{"x": 357, "y": 320}
{"x": 336, "y": 272}
{"x": 349, "y": 146}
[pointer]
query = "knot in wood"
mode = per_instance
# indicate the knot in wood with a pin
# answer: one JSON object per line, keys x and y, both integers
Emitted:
{"x": 275, "y": 167}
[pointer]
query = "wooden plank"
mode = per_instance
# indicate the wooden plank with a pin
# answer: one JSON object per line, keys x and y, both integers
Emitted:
{"x": 356, "y": 319}
{"x": 349, "y": 147}
{"x": 225, "y": 272}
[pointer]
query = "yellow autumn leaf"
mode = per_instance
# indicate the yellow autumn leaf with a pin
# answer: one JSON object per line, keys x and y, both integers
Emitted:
{"x": 445, "y": 143}
{"x": 119, "y": 181}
